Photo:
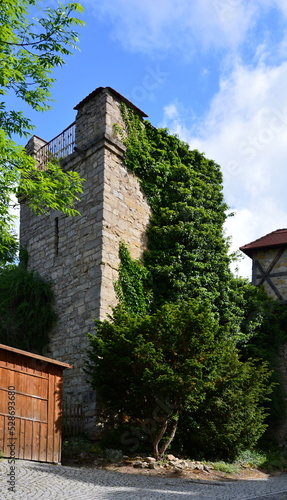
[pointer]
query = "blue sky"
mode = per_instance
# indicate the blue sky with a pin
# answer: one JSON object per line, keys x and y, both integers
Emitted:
{"x": 212, "y": 71}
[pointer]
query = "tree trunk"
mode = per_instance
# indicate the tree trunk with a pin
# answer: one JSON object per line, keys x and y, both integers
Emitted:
{"x": 171, "y": 436}
{"x": 156, "y": 441}
{"x": 158, "y": 452}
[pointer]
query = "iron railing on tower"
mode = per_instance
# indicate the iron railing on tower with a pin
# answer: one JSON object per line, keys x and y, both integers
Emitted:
{"x": 61, "y": 146}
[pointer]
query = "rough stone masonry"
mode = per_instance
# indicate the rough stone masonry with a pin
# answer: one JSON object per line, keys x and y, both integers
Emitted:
{"x": 80, "y": 254}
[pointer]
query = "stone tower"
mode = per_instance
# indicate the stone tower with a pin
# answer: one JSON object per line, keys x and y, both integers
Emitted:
{"x": 269, "y": 263}
{"x": 80, "y": 254}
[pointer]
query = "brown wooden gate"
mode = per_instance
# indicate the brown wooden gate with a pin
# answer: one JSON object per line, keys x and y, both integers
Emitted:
{"x": 30, "y": 405}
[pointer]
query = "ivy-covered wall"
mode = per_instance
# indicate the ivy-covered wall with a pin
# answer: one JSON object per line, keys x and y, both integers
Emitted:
{"x": 187, "y": 251}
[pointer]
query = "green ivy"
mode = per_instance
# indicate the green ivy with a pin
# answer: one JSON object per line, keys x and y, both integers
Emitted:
{"x": 187, "y": 251}
{"x": 132, "y": 283}
{"x": 172, "y": 342}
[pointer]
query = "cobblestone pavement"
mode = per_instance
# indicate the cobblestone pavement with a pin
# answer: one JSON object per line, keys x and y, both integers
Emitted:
{"x": 36, "y": 480}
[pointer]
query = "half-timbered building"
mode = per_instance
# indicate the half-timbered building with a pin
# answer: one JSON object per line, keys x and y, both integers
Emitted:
{"x": 269, "y": 263}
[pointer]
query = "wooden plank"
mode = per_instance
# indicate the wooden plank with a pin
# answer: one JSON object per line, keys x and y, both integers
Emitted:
{"x": 4, "y": 377}
{"x": 275, "y": 275}
{"x": 44, "y": 388}
{"x": 57, "y": 415}
{"x": 9, "y": 437}
{"x": 17, "y": 436}
{"x": 36, "y": 427}
{"x": 28, "y": 440}
{"x": 254, "y": 271}
{"x": 36, "y": 356}
{"x": 2, "y": 389}
{"x": 45, "y": 376}
{"x": 43, "y": 443}
{"x": 10, "y": 361}
{"x": 6, "y": 451}
{"x": 3, "y": 358}
{"x": 21, "y": 451}
{"x": 51, "y": 411}
{"x": 2, "y": 431}
{"x": 30, "y": 419}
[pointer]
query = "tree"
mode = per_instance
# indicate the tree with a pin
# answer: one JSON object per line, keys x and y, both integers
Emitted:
{"x": 173, "y": 340}
{"x": 151, "y": 369}
{"x": 30, "y": 48}
{"x": 269, "y": 336}
{"x": 26, "y": 309}
{"x": 233, "y": 415}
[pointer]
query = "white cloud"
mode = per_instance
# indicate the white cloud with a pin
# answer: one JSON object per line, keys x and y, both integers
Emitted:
{"x": 245, "y": 127}
{"x": 176, "y": 24}
{"x": 245, "y": 131}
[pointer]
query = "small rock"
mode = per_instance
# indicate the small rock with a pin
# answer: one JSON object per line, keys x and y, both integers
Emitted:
{"x": 137, "y": 465}
{"x": 178, "y": 463}
{"x": 206, "y": 469}
{"x": 178, "y": 468}
{"x": 170, "y": 457}
{"x": 140, "y": 465}
{"x": 198, "y": 466}
{"x": 184, "y": 463}
{"x": 154, "y": 465}
{"x": 150, "y": 460}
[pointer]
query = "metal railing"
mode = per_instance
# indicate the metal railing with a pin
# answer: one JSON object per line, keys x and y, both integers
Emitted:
{"x": 61, "y": 146}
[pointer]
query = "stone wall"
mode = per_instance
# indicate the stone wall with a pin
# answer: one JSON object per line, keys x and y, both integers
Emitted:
{"x": 80, "y": 254}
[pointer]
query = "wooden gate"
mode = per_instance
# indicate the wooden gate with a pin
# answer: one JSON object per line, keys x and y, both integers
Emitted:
{"x": 30, "y": 405}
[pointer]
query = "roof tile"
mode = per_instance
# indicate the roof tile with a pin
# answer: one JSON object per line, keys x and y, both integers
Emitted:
{"x": 276, "y": 238}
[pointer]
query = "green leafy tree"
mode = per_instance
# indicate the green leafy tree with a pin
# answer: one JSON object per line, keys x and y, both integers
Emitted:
{"x": 173, "y": 340}
{"x": 269, "y": 318}
{"x": 153, "y": 368}
{"x": 30, "y": 48}
{"x": 26, "y": 309}
{"x": 234, "y": 414}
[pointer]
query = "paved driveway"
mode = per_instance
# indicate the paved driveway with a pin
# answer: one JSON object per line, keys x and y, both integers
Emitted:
{"x": 36, "y": 480}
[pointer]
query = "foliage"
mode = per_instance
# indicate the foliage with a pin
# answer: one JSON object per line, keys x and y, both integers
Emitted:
{"x": 225, "y": 467}
{"x": 26, "y": 309}
{"x": 132, "y": 284}
{"x": 153, "y": 368}
{"x": 74, "y": 445}
{"x": 168, "y": 357}
{"x": 251, "y": 458}
{"x": 269, "y": 319}
{"x": 30, "y": 48}
{"x": 276, "y": 460}
{"x": 232, "y": 416}
{"x": 187, "y": 253}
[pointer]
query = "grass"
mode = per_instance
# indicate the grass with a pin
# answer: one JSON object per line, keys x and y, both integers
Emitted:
{"x": 271, "y": 461}
{"x": 225, "y": 467}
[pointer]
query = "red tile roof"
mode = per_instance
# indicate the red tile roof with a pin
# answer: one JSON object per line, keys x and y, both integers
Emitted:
{"x": 276, "y": 238}
{"x": 116, "y": 94}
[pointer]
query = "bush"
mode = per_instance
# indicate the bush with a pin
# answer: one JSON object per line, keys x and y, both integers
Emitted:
{"x": 231, "y": 418}
{"x": 26, "y": 309}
